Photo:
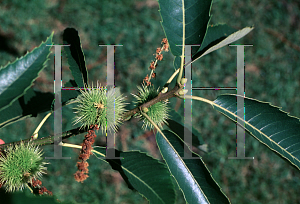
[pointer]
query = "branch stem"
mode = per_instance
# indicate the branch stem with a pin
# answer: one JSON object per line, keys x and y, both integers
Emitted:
{"x": 196, "y": 98}
{"x": 35, "y": 134}
{"x": 78, "y": 147}
{"x": 160, "y": 97}
{"x": 183, "y": 44}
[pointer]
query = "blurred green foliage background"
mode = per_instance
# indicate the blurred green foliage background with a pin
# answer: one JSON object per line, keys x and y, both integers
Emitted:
{"x": 272, "y": 74}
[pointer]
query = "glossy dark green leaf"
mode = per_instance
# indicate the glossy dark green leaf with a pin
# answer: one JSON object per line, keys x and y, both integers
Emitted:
{"x": 215, "y": 34}
{"x": 33, "y": 103}
{"x": 75, "y": 56}
{"x": 28, "y": 105}
{"x": 267, "y": 123}
{"x": 184, "y": 18}
{"x": 192, "y": 175}
{"x": 17, "y": 77}
{"x": 219, "y": 36}
{"x": 176, "y": 124}
{"x": 143, "y": 173}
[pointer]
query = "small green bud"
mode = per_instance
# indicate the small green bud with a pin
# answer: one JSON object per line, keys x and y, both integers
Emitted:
{"x": 183, "y": 81}
{"x": 182, "y": 92}
{"x": 164, "y": 90}
{"x": 145, "y": 110}
{"x": 157, "y": 112}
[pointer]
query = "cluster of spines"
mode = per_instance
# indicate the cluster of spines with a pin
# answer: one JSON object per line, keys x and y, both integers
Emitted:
{"x": 97, "y": 106}
{"x": 20, "y": 164}
{"x": 157, "y": 112}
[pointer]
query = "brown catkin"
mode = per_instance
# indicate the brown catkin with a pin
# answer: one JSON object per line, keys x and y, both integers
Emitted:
{"x": 85, "y": 153}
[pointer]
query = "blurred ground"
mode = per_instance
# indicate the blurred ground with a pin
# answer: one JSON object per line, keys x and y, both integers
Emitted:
{"x": 272, "y": 74}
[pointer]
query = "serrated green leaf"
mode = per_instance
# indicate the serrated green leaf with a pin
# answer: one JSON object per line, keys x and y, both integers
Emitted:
{"x": 266, "y": 123}
{"x": 28, "y": 105}
{"x": 17, "y": 77}
{"x": 143, "y": 173}
{"x": 192, "y": 175}
{"x": 32, "y": 103}
{"x": 216, "y": 38}
{"x": 75, "y": 56}
{"x": 182, "y": 15}
{"x": 176, "y": 125}
{"x": 214, "y": 35}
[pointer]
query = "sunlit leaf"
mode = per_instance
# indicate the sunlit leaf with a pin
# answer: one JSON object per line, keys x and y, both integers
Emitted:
{"x": 17, "y": 77}
{"x": 192, "y": 175}
{"x": 267, "y": 123}
{"x": 143, "y": 173}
